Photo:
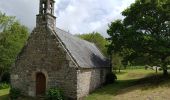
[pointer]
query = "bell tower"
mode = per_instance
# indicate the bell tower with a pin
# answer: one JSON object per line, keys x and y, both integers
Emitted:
{"x": 46, "y": 14}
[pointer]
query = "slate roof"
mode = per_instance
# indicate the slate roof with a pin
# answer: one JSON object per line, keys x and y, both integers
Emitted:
{"x": 85, "y": 54}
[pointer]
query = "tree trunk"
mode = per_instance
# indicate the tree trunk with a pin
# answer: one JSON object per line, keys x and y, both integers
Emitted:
{"x": 165, "y": 72}
{"x": 164, "y": 67}
{"x": 125, "y": 67}
{"x": 1, "y": 76}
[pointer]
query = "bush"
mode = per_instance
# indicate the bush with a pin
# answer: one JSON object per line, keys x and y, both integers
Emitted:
{"x": 6, "y": 77}
{"x": 111, "y": 78}
{"x": 54, "y": 94}
{"x": 15, "y": 93}
{"x": 4, "y": 86}
{"x": 160, "y": 69}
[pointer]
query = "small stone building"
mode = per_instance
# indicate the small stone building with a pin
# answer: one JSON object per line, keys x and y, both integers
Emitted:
{"x": 55, "y": 58}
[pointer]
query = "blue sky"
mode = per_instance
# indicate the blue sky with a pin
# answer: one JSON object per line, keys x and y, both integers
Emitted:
{"x": 75, "y": 16}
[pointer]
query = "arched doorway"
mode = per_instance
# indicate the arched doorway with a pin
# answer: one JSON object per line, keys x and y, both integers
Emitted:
{"x": 40, "y": 84}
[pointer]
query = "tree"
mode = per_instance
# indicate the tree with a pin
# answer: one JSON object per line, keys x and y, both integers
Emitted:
{"x": 116, "y": 43}
{"x": 117, "y": 62}
{"x": 145, "y": 32}
{"x": 13, "y": 36}
{"x": 97, "y": 39}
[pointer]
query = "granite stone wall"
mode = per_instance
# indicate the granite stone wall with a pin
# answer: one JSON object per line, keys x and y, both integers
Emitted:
{"x": 43, "y": 53}
{"x": 90, "y": 79}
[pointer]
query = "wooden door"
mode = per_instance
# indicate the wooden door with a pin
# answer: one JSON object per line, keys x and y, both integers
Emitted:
{"x": 40, "y": 84}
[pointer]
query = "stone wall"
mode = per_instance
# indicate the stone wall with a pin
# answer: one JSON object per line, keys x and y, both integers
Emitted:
{"x": 43, "y": 53}
{"x": 90, "y": 79}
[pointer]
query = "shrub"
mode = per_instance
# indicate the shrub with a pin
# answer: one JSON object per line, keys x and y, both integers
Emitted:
{"x": 15, "y": 93}
{"x": 6, "y": 77}
{"x": 160, "y": 69}
{"x": 4, "y": 86}
{"x": 54, "y": 94}
{"x": 111, "y": 78}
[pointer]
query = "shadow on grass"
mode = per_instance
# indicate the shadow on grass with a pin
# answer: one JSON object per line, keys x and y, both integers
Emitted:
{"x": 4, "y": 97}
{"x": 125, "y": 86}
{"x": 150, "y": 82}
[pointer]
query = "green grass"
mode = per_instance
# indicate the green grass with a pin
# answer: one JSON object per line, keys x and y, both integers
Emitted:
{"x": 133, "y": 74}
{"x": 4, "y": 94}
{"x": 127, "y": 80}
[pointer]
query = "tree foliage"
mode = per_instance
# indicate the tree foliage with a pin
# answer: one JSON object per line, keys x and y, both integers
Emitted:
{"x": 144, "y": 32}
{"x": 117, "y": 62}
{"x": 13, "y": 35}
{"x": 97, "y": 39}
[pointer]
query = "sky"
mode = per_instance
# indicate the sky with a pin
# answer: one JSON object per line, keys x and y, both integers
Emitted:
{"x": 75, "y": 16}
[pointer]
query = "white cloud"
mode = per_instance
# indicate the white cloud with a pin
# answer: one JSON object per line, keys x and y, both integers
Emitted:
{"x": 75, "y": 16}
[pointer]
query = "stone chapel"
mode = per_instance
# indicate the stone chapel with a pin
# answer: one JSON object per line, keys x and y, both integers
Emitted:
{"x": 54, "y": 58}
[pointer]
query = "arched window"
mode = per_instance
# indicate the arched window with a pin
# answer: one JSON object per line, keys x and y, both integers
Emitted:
{"x": 51, "y": 8}
{"x": 43, "y": 7}
{"x": 51, "y": 5}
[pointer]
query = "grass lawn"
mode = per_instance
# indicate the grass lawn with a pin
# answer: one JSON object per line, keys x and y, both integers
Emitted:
{"x": 4, "y": 94}
{"x": 137, "y": 84}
